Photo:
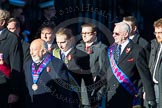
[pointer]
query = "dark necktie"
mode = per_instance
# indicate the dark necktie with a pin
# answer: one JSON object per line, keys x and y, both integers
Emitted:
{"x": 118, "y": 51}
{"x": 63, "y": 56}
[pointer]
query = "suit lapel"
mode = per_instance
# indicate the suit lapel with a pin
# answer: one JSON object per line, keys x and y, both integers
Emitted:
{"x": 127, "y": 50}
{"x": 28, "y": 76}
{"x": 3, "y": 34}
{"x": 135, "y": 38}
{"x": 71, "y": 52}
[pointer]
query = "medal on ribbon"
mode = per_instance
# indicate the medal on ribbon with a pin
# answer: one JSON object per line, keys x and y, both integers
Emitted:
{"x": 36, "y": 74}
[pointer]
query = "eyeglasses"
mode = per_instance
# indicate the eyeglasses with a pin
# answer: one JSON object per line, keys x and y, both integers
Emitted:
{"x": 155, "y": 33}
{"x": 116, "y": 33}
{"x": 84, "y": 33}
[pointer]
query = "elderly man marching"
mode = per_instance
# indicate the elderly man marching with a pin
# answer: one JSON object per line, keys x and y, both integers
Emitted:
{"x": 127, "y": 69}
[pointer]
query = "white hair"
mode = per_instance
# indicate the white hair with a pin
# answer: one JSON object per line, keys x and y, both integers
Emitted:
{"x": 124, "y": 26}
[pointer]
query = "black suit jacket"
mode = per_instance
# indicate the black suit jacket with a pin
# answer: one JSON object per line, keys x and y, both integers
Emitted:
{"x": 160, "y": 86}
{"x": 10, "y": 47}
{"x": 97, "y": 57}
{"x": 25, "y": 50}
{"x": 133, "y": 63}
{"x": 79, "y": 66}
{"x": 98, "y": 66}
{"x": 143, "y": 43}
{"x": 53, "y": 89}
{"x": 155, "y": 46}
{"x": 77, "y": 62}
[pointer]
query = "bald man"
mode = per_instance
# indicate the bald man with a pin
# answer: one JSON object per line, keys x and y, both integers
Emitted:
{"x": 47, "y": 79}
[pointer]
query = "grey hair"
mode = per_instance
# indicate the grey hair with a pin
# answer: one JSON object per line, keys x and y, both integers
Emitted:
{"x": 124, "y": 26}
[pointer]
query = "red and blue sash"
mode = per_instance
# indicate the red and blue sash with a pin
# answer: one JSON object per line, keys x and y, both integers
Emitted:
{"x": 36, "y": 74}
{"x": 122, "y": 77}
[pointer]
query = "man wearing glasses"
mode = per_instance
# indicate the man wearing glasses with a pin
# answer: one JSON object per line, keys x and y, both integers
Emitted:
{"x": 98, "y": 56}
{"x": 128, "y": 72}
{"x": 155, "y": 61}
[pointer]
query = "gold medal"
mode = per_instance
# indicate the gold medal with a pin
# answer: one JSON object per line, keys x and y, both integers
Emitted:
{"x": 34, "y": 87}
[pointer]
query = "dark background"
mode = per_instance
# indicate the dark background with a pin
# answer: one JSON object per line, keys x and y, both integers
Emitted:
{"x": 106, "y": 12}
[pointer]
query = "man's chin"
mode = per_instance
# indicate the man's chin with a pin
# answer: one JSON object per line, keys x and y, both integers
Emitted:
{"x": 36, "y": 61}
{"x": 159, "y": 41}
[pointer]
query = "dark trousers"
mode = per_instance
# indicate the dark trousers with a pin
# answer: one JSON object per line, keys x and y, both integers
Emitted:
{"x": 4, "y": 92}
{"x": 156, "y": 89}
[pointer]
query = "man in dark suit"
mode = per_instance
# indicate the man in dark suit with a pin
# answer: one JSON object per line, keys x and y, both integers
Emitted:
{"x": 128, "y": 72}
{"x": 47, "y": 34}
{"x": 13, "y": 25}
{"x": 98, "y": 55}
{"x": 135, "y": 35}
{"x": 76, "y": 61}
{"x": 47, "y": 80}
{"x": 155, "y": 61}
{"x": 9, "y": 47}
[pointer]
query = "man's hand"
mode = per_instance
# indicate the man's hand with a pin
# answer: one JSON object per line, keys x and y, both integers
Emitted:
{"x": 12, "y": 98}
{"x": 152, "y": 104}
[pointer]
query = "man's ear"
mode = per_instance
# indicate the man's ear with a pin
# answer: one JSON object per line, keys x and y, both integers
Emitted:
{"x": 44, "y": 51}
{"x": 134, "y": 28}
{"x": 2, "y": 22}
{"x": 95, "y": 33}
{"x": 126, "y": 34}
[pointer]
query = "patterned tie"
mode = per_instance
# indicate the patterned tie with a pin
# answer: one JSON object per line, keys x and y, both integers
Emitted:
{"x": 118, "y": 51}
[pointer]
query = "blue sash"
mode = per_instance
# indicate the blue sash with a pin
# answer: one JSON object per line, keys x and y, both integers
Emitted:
{"x": 122, "y": 77}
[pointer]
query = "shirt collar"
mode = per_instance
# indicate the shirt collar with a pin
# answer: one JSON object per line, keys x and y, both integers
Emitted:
{"x": 123, "y": 45}
{"x": 131, "y": 37}
{"x": 67, "y": 52}
{"x": 1, "y": 31}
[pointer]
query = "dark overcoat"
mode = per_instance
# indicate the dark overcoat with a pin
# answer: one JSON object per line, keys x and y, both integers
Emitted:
{"x": 9, "y": 46}
{"x": 133, "y": 63}
{"x": 53, "y": 87}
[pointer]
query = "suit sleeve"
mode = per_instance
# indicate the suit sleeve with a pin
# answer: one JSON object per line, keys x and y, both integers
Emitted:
{"x": 103, "y": 61}
{"x": 145, "y": 75}
{"x": 16, "y": 65}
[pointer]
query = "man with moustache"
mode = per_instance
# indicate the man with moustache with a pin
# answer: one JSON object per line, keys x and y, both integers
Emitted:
{"x": 47, "y": 79}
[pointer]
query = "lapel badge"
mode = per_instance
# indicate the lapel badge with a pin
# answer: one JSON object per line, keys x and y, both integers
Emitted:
{"x": 127, "y": 50}
{"x": 89, "y": 51}
{"x": 69, "y": 57}
{"x": 1, "y": 58}
{"x": 48, "y": 69}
